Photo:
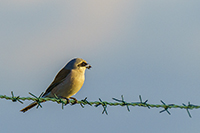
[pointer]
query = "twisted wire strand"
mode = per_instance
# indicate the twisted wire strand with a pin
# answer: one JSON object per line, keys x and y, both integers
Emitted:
{"x": 104, "y": 104}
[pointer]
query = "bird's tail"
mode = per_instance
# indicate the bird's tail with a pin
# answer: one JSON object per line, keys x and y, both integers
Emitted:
{"x": 29, "y": 107}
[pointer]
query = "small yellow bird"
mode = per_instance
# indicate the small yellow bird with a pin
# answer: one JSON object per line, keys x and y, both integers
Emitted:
{"x": 67, "y": 82}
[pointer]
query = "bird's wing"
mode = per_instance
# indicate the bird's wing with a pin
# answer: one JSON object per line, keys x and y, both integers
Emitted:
{"x": 58, "y": 79}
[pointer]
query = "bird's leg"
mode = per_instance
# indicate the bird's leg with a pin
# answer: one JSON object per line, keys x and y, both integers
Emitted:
{"x": 75, "y": 100}
{"x": 65, "y": 99}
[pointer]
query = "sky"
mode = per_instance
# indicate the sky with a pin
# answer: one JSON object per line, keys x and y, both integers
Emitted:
{"x": 147, "y": 48}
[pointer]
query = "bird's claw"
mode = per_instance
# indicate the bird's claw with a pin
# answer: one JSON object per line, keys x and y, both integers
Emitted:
{"x": 75, "y": 100}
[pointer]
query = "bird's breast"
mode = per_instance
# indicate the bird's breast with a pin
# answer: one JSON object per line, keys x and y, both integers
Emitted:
{"x": 70, "y": 85}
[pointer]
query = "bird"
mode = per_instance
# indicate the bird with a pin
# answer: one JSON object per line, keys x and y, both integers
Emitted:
{"x": 67, "y": 82}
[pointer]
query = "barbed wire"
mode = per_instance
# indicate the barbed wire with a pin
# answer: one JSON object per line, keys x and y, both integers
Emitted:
{"x": 104, "y": 104}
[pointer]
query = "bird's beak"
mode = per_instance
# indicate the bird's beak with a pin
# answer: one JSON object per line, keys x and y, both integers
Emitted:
{"x": 88, "y": 66}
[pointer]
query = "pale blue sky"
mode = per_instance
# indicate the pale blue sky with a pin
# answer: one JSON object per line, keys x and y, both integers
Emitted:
{"x": 148, "y": 48}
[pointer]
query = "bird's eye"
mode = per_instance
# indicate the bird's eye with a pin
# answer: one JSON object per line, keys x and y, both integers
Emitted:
{"x": 82, "y": 64}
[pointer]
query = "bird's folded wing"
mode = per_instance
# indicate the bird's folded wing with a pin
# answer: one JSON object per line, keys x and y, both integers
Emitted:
{"x": 58, "y": 79}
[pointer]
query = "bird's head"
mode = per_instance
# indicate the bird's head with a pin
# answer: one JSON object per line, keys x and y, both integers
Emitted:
{"x": 77, "y": 63}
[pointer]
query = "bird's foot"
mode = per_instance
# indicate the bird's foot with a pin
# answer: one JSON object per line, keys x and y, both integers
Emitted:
{"x": 75, "y": 100}
{"x": 67, "y": 99}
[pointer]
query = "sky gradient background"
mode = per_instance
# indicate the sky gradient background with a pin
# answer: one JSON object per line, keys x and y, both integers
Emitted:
{"x": 148, "y": 48}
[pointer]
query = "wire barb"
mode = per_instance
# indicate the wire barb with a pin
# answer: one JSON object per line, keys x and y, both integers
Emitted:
{"x": 104, "y": 105}
{"x": 15, "y": 99}
{"x": 37, "y": 99}
{"x": 188, "y": 107}
{"x": 61, "y": 101}
{"x": 165, "y": 108}
{"x": 85, "y": 101}
{"x": 144, "y": 103}
{"x": 123, "y": 102}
